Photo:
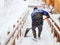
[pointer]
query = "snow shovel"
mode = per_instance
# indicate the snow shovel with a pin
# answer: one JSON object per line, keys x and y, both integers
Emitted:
{"x": 27, "y": 30}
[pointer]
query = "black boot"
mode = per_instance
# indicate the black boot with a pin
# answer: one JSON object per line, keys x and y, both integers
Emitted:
{"x": 27, "y": 30}
{"x": 39, "y": 33}
{"x": 34, "y": 34}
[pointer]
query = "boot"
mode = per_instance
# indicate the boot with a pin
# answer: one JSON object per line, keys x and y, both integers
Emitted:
{"x": 39, "y": 31}
{"x": 34, "y": 34}
{"x": 39, "y": 34}
{"x": 27, "y": 30}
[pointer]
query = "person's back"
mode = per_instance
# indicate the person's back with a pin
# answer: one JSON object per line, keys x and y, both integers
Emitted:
{"x": 37, "y": 17}
{"x": 38, "y": 14}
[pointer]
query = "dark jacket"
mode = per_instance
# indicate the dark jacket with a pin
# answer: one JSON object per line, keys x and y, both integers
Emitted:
{"x": 38, "y": 22}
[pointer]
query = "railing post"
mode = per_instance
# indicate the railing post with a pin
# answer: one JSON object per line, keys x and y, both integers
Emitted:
{"x": 51, "y": 27}
{"x": 13, "y": 43}
{"x": 17, "y": 21}
{"x": 55, "y": 34}
{"x": 20, "y": 32}
{"x": 17, "y": 37}
{"x": 58, "y": 38}
{"x": 14, "y": 26}
{"x": 8, "y": 32}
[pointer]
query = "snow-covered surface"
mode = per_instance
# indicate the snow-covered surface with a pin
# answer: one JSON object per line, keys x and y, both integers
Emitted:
{"x": 11, "y": 11}
{"x": 1, "y": 7}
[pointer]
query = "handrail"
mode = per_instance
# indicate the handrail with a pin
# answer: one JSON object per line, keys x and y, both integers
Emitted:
{"x": 54, "y": 28}
{"x": 17, "y": 29}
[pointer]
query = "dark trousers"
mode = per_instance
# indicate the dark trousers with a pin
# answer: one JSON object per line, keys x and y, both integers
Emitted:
{"x": 34, "y": 25}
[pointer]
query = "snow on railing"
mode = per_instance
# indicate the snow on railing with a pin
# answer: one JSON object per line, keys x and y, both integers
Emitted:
{"x": 40, "y": 6}
{"x": 54, "y": 29}
{"x": 16, "y": 33}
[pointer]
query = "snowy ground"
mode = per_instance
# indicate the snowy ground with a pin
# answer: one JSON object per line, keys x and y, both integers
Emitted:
{"x": 8, "y": 17}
